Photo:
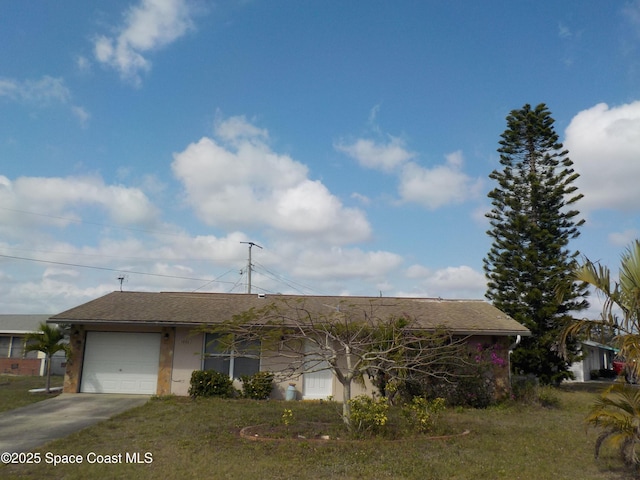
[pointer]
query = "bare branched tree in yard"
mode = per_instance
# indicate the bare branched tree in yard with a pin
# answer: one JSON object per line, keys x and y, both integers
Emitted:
{"x": 352, "y": 342}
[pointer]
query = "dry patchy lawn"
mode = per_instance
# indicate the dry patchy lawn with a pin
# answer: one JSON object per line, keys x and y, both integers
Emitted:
{"x": 200, "y": 439}
{"x": 14, "y": 390}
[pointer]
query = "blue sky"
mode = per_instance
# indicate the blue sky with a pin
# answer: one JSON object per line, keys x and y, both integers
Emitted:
{"x": 353, "y": 141}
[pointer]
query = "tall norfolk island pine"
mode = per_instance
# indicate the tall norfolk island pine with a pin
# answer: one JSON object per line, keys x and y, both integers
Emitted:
{"x": 532, "y": 222}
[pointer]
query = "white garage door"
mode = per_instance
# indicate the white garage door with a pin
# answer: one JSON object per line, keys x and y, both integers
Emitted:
{"x": 116, "y": 362}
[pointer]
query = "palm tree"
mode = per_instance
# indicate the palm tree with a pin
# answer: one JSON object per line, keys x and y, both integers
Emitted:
{"x": 46, "y": 339}
{"x": 620, "y": 315}
{"x": 617, "y": 412}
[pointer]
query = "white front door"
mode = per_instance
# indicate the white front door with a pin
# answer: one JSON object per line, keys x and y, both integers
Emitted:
{"x": 117, "y": 362}
{"x": 317, "y": 385}
{"x": 317, "y": 382}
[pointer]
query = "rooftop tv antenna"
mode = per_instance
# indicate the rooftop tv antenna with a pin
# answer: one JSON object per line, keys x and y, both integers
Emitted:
{"x": 121, "y": 279}
{"x": 249, "y": 264}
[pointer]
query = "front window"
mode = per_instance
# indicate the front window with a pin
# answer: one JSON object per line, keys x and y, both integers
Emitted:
{"x": 5, "y": 346}
{"x": 17, "y": 348}
{"x": 244, "y": 359}
{"x": 31, "y": 353}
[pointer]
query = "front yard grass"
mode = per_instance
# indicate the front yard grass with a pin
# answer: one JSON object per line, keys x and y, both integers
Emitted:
{"x": 14, "y": 390}
{"x": 200, "y": 439}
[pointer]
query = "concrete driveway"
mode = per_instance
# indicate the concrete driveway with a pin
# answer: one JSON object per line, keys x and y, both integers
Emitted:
{"x": 26, "y": 428}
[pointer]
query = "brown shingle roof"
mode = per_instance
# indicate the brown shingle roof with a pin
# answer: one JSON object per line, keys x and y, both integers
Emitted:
{"x": 175, "y": 308}
{"x": 21, "y": 323}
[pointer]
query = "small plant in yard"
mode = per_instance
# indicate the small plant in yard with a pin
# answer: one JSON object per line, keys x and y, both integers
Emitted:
{"x": 421, "y": 413}
{"x": 368, "y": 414}
{"x": 617, "y": 412}
{"x": 257, "y": 386}
{"x": 548, "y": 397}
{"x": 287, "y": 417}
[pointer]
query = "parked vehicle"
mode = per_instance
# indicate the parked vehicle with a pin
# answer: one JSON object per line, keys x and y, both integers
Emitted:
{"x": 618, "y": 365}
{"x": 621, "y": 368}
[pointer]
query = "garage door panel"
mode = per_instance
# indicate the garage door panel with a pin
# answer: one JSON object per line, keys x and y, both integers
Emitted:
{"x": 116, "y": 362}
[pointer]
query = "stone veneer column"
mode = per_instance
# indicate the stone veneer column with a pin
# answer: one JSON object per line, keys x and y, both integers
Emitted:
{"x": 74, "y": 362}
{"x": 167, "y": 343}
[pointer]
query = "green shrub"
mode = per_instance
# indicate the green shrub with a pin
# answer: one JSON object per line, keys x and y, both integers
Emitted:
{"x": 209, "y": 383}
{"x": 421, "y": 413}
{"x": 257, "y": 386}
{"x": 527, "y": 389}
{"x": 548, "y": 397}
{"x": 472, "y": 381}
{"x": 368, "y": 415}
{"x": 524, "y": 388}
{"x": 467, "y": 390}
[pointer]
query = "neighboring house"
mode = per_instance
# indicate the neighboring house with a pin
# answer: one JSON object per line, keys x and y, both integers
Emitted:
{"x": 13, "y": 358}
{"x": 149, "y": 343}
{"x": 595, "y": 356}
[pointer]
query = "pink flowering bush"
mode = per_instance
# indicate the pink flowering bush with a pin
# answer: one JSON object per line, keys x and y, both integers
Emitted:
{"x": 490, "y": 354}
{"x": 474, "y": 384}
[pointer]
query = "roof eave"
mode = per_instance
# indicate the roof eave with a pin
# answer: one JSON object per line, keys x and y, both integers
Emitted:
{"x": 167, "y": 323}
{"x": 500, "y": 333}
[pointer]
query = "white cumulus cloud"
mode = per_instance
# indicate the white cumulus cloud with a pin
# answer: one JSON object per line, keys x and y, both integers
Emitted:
{"x": 625, "y": 238}
{"x": 55, "y": 199}
{"x": 45, "y": 92}
{"x": 432, "y": 188}
{"x": 604, "y": 144}
{"x": 438, "y": 186}
{"x": 378, "y": 156}
{"x": 345, "y": 263}
{"x": 448, "y": 282}
{"x": 150, "y": 25}
{"x": 237, "y": 181}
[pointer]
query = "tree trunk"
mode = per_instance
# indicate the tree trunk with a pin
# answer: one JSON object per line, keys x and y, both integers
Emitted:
{"x": 47, "y": 387}
{"x": 346, "y": 406}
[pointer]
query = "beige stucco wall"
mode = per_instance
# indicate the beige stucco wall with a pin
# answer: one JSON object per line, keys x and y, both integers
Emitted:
{"x": 271, "y": 361}
{"x": 187, "y": 357}
{"x": 181, "y": 354}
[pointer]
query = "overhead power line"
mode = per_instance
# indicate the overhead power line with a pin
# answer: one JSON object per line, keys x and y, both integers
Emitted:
{"x": 297, "y": 286}
{"x": 217, "y": 279}
{"x": 300, "y": 287}
{"x": 108, "y": 269}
